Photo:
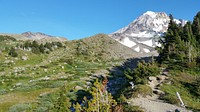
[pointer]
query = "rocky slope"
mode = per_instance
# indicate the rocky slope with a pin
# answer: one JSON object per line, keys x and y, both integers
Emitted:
{"x": 38, "y": 36}
{"x": 143, "y": 33}
{"x": 102, "y": 46}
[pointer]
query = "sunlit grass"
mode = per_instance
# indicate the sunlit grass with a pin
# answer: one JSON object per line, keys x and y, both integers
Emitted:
{"x": 10, "y": 99}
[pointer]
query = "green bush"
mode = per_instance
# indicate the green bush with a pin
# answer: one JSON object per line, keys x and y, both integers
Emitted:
{"x": 143, "y": 70}
{"x": 45, "y": 102}
{"x": 3, "y": 91}
{"x": 170, "y": 99}
{"x": 20, "y": 108}
{"x": 13, "y": 52}
{"x": 142, "y": 90}
{"x": 130, "y": 108}
{"x": 6, "y": 38}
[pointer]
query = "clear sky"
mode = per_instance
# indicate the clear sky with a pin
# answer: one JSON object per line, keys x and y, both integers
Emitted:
{"x": 76, "y": 19}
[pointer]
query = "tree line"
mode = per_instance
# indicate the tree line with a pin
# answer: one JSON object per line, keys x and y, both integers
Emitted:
{"x": 181, "y": 44}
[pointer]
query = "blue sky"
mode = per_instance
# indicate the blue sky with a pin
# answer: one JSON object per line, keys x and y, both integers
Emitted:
{"x": 76, "y": 19}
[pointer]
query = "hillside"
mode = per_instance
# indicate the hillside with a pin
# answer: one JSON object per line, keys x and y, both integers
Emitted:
{"x": 38, "y": 74}
{"x": 104, "y": 47}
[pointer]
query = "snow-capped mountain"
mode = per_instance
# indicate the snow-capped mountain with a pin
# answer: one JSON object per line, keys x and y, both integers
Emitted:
{"x": 143, "y": 33}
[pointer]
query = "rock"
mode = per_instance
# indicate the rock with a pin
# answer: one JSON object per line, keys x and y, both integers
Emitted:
{"x": 30, "y": 81}
{"x": 18, "y": 84}
{"x": 78, "y": 87}
{"x": 24, "y": 58}
{"x": 88, "y": 83}
{"x": 45, "y": 70}
{"x": 161, "y": 77}
{"x": 177, "y": 110}
{"x": 8, "y": 61}
{"x": 151, "y": 78}
{"x": 158, "y": 92}
{"x": 45, "y": 78}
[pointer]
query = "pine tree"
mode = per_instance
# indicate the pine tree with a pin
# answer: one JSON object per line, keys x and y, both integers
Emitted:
{"x": 196, "y": 27}
{"x": 48, "y": 46}
{"x": 35, "y": 44}
{"x": 13, "y": 52}
{"x": 41, "y": 48}
{"x": 27, "y": 44}
{"x": 36, "y": 50}
{"x": 181, "y": 45}
{"x": 102, "y": 101}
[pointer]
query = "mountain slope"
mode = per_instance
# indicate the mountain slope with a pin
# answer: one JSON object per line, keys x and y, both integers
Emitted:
{"x": 144, "y": 31}
{"x": 102, "y": 46}
{"x": 38, "y": 36}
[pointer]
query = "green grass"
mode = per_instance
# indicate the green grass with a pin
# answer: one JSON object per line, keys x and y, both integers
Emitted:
{"x": 142, "y": 90}
{"x": 76, "y": 71}
{"x": 11, "y": 99}
{"x": 184, "y": 84}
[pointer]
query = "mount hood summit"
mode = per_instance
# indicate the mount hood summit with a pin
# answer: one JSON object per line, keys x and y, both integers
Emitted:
{"x": 143, "y": 33}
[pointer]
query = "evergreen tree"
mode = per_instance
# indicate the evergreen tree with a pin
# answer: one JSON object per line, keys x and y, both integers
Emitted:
{"x": 48, "y": 46}
{"x": 181, "y": 45}
{"x": 36, "y": 50}
{"x": 35, "y": 44}
{"x": 196, "y": 27}
{"x": 141, "y": 72}
{"x": 102, "y": 101}
{"x": 41, "y": 48}
{"x": 13, "y": 52}
{"x": 27, "y": 44}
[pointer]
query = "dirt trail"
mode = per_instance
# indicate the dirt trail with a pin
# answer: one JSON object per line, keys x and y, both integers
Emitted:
{"x": 152, "y": 103}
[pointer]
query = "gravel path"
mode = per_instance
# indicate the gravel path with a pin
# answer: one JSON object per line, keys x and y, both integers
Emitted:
{"x": 152, "y": 103}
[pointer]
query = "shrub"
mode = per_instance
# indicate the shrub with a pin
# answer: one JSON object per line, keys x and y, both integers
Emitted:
{"x": 19, "y": 107}
{"x": 130, "y": 108}
{"x": 3, "y": 91}
{"x": 6, "y": 38}
{"x": 141, "y": 72}
{"x": 13, "y": 52}
{"x": 170, "y": 99}
{"x": 142, "y": 90}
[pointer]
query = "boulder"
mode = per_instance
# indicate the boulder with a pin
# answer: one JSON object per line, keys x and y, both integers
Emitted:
{"x": 151, "y": 78}
{"x": 24, "y": 58}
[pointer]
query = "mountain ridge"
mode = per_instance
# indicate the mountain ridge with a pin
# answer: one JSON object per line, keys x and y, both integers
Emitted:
{"x": 37, "y": 36}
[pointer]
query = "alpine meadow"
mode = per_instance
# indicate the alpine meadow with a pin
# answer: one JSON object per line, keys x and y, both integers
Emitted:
{"x": 150, "y": 65}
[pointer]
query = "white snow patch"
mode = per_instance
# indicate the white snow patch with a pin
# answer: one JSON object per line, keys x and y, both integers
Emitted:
{"x": 158, "y": 44}
{"x": 146, "y": 50}
{"x": 177, "y": 21}
{"x": 159, "y": 24}
{"x": 148, "y": 42}
{"x": 137, "y": 49}
{"x": 142, "y": 34}
{"x": 150, "y": 13}
{"x": 127, "y": 42}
